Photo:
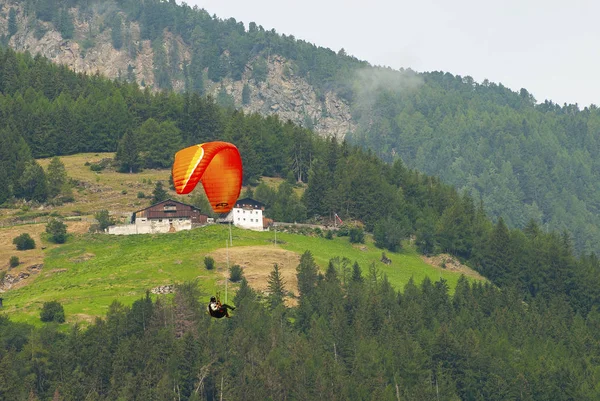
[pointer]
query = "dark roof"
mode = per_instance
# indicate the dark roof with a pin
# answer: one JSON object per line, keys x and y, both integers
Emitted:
{"x": 249, "y": 201}
{"x": 165, "y": 201}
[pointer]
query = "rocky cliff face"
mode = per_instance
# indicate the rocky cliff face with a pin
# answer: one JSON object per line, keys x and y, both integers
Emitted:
{"x": 91, "y": 51}
{"x": 291, "y": 97}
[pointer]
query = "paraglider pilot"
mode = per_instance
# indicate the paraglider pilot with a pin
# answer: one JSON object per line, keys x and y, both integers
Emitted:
{"x": 217, "y": 309}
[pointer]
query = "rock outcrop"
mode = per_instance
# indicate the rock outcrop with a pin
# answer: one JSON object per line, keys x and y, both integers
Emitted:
{"x": 290, "y": 97}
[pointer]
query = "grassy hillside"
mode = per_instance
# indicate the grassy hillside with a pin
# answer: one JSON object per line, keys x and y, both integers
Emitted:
{"x": 91, "y": 271}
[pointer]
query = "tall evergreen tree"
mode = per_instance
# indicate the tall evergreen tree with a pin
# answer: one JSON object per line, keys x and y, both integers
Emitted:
{"x": 497, "y": 259}
{"x": 161, "y": 141}
{"x": 116, "y": 33}
{"x": 246, "y": 95}
{"x": 32, "y": 185}
{"x": 276, "y": 288}
{"x": 57, "y": 177}
{"x": 128, "y": 155}
{"x": 356, "y": 273}
{"x": 159, "y": 194}
{"x": 307, "y": 272}
{"x": 12, "y": 22}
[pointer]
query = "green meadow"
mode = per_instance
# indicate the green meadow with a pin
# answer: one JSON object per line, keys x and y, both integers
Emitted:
{"x": 90, "y": 271}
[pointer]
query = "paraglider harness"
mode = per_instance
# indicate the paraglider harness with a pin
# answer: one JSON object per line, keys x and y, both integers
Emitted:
{"x": 218, "y": 310}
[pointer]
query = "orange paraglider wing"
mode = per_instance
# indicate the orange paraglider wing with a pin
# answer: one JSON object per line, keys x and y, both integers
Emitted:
{"x": 218, "y": 165}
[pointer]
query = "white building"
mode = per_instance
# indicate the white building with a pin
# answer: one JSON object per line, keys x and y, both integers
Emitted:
{"x": 247, "y": 213}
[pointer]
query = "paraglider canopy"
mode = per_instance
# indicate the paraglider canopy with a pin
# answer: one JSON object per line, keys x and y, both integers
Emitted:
{"x": 217, "y": 165}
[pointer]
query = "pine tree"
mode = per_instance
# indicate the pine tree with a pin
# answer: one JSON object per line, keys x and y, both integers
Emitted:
{"x": 356, "y": 273}
{"x": 12, "y": 22}
{"x": 307, "y": 273}
{"x": 117, "y": 32}
{"x": 65, "y": 24}
{"x": 497, "y": 259}
{"x": 9, "y": 376}
{"x": 33, "y": 184}
{"x": 57, "y": 177}
{"x": 159, "y": 194}
{"x": 128, "y": 153}
{"x": 246, "y": 95}
{"x": 161, "y": 141}
{"x": 276, "y": 287}
{"x": 5, "y": 187}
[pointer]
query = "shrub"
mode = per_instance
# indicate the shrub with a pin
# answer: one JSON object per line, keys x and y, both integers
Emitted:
{"x": 344, "y": 231}
{"x": 104, "y": 219}
{"x": 52, "y": 311}
{"x": 124, "y": 192}
{"x": 389, "y": 233}
{"x": 96, "y": 167}
{"x": 14, "y": 261}
{"x": 57, "y": 231}
{"x": 94, "y": 228}
{"x": 357, "y": 235}
{"x": 236, "y": 273}
{"x": 209, "y": 263}
{"x": 141, "y": 195}
{"x": 56, "y": 202}
{"x": 24, "y": 242}
{"x": 68, "y": 198}
{"x": 329, "y": 234}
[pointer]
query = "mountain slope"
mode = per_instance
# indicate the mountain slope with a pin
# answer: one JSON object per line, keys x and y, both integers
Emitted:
{"x": 522, "y": 159}
{"x": 90, "y": 48}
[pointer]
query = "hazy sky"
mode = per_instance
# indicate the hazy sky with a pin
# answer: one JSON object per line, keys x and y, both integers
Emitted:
{"x": 549, "y": 47}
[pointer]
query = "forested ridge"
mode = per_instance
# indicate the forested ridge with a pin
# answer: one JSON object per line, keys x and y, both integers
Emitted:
{"x": 530, "y": 335}
{"x": 524, "y": 160}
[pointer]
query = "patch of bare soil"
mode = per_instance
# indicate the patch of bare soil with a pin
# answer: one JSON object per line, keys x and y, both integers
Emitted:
{"x": 448, "y": 262}
{"x": 82, "y": 258}
{"x": 257, "y": 263}
{"x": 360, "y": 247}
{"x": 55, "y": 271}
{"x": 30, "y": 259}
{"x": 81, "y": 317}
